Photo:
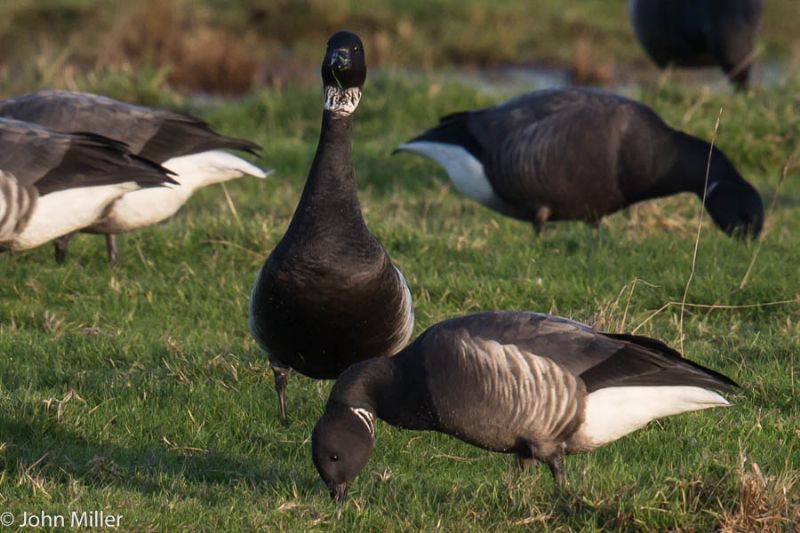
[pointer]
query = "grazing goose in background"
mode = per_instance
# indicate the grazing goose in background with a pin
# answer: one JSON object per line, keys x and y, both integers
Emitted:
{"x": 328, "y": 295}
{"x": 54, "y": 183}
{"x": 581, "y": 154}
{"x": 184, "y": 144}
{"x": 530, "y": 384}
{"x": 699, "y": 33}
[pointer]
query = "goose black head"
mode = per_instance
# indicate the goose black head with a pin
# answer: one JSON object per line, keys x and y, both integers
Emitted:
{"x": 735, "y": 207}
{"x": 340, "y": 446}
{"x": 344, "y": 71}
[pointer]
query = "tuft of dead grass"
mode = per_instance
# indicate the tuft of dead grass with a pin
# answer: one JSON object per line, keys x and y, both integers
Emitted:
{"x": 764, "y": 503}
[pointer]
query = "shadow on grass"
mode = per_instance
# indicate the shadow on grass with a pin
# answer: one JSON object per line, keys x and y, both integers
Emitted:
{"x": 47, "y": 453}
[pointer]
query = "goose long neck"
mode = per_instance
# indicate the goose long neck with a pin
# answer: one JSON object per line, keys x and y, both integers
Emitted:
{"x": 330, "y": 191}
{"x": 686, "y": 170}
{"x": 388, "y": 389}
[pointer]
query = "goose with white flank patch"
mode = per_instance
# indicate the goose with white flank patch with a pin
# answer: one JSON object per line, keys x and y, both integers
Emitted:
{"x": 182, "y": 143}
{"x": 53, "y": 183}
{"x": 530, "y": 384}
{"x": 328, "y": 295}
{"x": 582, "y": 154}
{"x": 699, "y": 33}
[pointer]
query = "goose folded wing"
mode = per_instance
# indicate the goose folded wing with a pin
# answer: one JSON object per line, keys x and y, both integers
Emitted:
{"x": 155, "y": 134}
{"x": 52, "y": 161}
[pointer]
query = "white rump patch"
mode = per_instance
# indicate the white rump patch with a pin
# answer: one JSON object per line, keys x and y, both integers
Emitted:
{"x": 366, "y": 417}
{"x": 212, "y": 166}
{"x": 614, "y": 412}
{"x": 342, "y": 102}
{"x": 464, "y": 170}
{"x": 151, "y": 205}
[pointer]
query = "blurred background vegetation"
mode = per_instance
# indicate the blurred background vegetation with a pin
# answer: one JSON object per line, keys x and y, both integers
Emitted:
{"x": 234, "y": 46}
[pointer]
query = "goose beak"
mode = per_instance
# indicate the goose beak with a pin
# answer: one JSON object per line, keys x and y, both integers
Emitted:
{"x": 338, "y": 491}
{"x": 340, "y": 59}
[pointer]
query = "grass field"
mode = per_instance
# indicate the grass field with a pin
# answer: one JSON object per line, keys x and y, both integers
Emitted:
{"x": 139, "y": 391}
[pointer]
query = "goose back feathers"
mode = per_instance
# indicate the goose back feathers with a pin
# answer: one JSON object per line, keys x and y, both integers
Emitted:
{"x": 696, "y": 33}
{"x": 582, "y": 154}
{"x": 184, "y": 144}
{"x": 54, "y": 183}
{"x": 530, "y": 384}
{"x": 155, "y": 134}
{"x": 328, "y": 294}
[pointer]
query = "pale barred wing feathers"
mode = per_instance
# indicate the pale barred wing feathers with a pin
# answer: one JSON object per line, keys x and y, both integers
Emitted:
{"x": 17, "y": 203}
{"x": 599, "y": 359}
{"x": 155, "y": 134}
{"x": 495, "y": 394}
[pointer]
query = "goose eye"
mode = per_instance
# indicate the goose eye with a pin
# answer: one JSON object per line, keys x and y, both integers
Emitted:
{"x": 334, "y": 458}
{"x": 355, "y": 49}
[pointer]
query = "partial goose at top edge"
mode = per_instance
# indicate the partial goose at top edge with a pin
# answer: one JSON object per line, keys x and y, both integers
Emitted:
{"x": 55, "y": 183}
{"x": 582, "y": 154}
{"x": 184, "y": 144}
{"x": 698, "y": 33}
{"x": 535, "y": 385}
{"x": 328, "y": 294}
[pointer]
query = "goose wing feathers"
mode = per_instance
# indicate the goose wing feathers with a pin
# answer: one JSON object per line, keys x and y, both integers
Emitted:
{"x": 600, "y": 360}
{"x": 156, "y": 134}
{"x": 53, "y": 161}
{"x": 544, "y": 148}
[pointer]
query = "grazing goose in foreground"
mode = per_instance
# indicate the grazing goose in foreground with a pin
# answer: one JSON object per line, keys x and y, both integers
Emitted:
{"x": 581, "y": 154}
{"x": 530, "y": 384}
{"x": 698, "y": 33}
{"x": 184, "y": 144}
{"x": 328, "y": 295}
{"x": 54, "y": 183}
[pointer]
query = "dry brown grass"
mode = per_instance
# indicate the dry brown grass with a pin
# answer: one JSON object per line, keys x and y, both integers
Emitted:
{"x": 197, "y": 52}
{"x": 764, "y": 503}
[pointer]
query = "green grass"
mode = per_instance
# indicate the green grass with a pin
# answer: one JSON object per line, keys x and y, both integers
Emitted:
{"x": 139, "y": 391}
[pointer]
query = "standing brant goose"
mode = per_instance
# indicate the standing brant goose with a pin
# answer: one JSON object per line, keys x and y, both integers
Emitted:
{"x": 184, "y": 144}
{"x": 328, "y": 295}
{"x": 54, "y": 183}
{"x": 530, "y": 384}
{"x": 699, "y": 33}
{"x": 581, "y": 154}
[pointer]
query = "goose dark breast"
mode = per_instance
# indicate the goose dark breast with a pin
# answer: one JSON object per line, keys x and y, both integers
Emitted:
{"x": 319, "y": 317}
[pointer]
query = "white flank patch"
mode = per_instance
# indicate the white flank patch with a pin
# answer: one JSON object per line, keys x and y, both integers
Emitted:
{"x": 711, "y": 187}
{"x": 407, "y": 327}
{"x": 614, "y": 412}
{"x": 342, "y": 101}
{"x": 151, "y": 205}
{"x": 367, "y": 418}
{"x": 465, "y": 171}
{"x": 62, "y": 212}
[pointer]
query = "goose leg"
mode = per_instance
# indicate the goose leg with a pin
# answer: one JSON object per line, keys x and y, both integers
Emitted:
{"x": 556, "y": 465}
{"x": 111, "y": 249}
{"x": 553, "y": 458}
{"x": 542, "y": 214}
{"x": 281, "y": 377}
{"x": 61, "y": 245}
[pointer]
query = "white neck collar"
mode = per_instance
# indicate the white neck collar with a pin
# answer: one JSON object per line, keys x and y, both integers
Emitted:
{"x": 366, "y": 417}
{"x": 342, "y": 102}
